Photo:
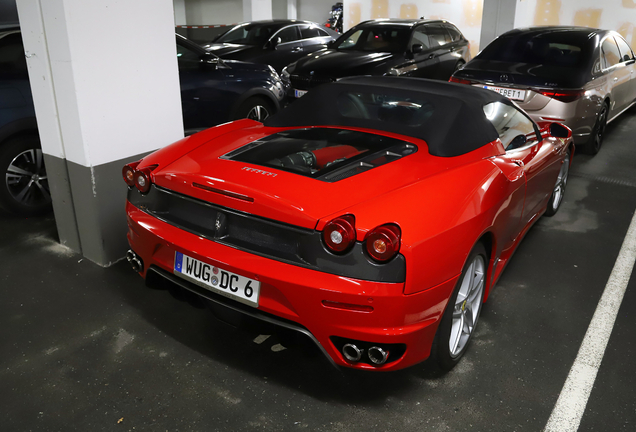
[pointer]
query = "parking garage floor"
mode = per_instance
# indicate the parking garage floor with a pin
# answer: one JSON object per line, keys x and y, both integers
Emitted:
{"x": 88, "y": 348}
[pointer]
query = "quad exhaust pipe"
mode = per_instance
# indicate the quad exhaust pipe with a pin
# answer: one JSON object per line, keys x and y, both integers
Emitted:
{"x": 352, "y": 353}
{"x": 135, "y": 262}
{"x": 377, "y": 356}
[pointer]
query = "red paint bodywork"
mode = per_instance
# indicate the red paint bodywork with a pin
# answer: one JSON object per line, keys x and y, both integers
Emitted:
{"x": 443, "y": 207}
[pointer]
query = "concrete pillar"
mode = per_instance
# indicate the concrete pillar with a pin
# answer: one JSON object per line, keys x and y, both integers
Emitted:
{"x": 292, "y": 9}
{"x": 498, "y": 17}
{"x": 254, "y": 10}
{"x": 106, "y": 91}
{"x": 180, "y": 12}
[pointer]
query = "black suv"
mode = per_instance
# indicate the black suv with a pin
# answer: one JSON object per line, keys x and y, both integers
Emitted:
{"x": 273, "y": 42}
{"x": 213, "y": 91}
{"x": 398, "y": 47}
{"x": 24, "y": 188}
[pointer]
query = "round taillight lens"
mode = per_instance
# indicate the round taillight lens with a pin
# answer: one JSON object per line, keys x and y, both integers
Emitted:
{"x": 142, "y": 180}
{"x": 383, "y": 242}
{"x": 340, "y": 234}
{"x": 129, "y": 173}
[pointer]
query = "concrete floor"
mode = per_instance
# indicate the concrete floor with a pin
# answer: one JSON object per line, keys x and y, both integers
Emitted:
{"x": 86, "y": 348}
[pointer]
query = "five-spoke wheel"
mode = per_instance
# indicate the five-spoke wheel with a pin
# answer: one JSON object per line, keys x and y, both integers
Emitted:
{"x": 457, "y": 325}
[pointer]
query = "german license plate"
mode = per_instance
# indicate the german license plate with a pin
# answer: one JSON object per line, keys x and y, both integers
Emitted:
{"x": 228, "y": 284}
{"x": 513, "y": 94}
{"x": 299, "y": 93}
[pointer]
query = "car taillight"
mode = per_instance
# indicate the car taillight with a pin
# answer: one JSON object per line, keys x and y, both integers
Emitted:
{"x": 129, "y": 173}
{"x": 383, "y": 242}
{"x": 340, "y": 234}
{"x": 562, "y": 95}
{"x": 460, "y": 80}
{"x": 142, "y": 180}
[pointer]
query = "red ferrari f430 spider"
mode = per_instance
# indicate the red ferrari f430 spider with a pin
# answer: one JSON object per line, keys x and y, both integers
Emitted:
{"x": 373, "y": 215}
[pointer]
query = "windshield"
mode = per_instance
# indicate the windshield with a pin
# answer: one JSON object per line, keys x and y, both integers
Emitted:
{"x": 549, "y": 49}
{"x": 248, "y": 34}
{"x": 376, "y": 39}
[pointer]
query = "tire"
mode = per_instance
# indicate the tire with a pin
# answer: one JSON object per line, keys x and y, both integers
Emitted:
{"x": 559, "y": 188}
{"x": 24, "y": 187}
{"x": 593, "y": 145}
{"x": 462, "y": 311}
{"x": 255, "y": 108}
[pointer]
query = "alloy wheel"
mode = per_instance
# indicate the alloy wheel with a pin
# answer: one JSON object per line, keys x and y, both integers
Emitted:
{"x": 467, "y": 306}
{"x": 600, "y": 130}
{"x": 258, "y": 113}
{"x": 26, "y": 179}
{"x": 562, "y": 179}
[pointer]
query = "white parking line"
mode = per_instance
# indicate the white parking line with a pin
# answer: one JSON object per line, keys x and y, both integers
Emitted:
{"x": 568, "y": 411}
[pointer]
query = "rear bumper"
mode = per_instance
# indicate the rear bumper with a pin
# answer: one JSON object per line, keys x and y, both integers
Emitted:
{"x": 291, "y": 296}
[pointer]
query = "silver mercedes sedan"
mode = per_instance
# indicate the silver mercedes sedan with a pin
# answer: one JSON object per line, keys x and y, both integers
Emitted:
{"x": 579, "y": 76}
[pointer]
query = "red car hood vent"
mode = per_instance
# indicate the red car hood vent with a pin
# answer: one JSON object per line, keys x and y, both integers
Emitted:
{"x": 294, "y": 176}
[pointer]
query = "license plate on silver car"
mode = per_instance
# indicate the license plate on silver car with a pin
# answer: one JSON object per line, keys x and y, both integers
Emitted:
{"x": 510, "y": 93}
{"x": 228, "y": 284}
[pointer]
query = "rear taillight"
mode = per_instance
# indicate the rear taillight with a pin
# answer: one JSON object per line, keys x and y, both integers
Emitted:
{"x": 340, "y": 234}
{"x": 142, "y": 180}
{"x": 460, "y": 80}
{"x": 383, "y": 242}
{"x": 562, "y": 95}
{"x": 129, "y": 173}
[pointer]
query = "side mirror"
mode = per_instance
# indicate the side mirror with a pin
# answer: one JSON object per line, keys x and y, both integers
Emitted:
{"x": 273, "y": 43}
{"x": 416, "y": 48}
{"x": 558, "y": 130}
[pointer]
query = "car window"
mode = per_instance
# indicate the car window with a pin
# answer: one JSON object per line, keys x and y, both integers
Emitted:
{"x": 12, "y": 58}
{"x": 557, "y": 49}
{"x": 421, "y": 38}
{"x": 455, "y": 34}
{"x": 249, "y": 34}
{"x": 437, "y": 35}
{"x": 382, "y": 38}
{"x": 186, "y": 54}
{"x": 514, "y": 128}
{"x": 611, "y": 56}
{"x": 625, "y": 50}
{"x": 289, "y": 34}
{"x": 308, "y": 32}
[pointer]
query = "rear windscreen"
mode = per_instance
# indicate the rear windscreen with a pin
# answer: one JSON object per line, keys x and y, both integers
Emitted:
{"x": 327, "y": 154}
{"x": 549, "y": 49}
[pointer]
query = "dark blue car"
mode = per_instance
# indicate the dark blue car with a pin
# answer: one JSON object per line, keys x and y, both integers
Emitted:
{"x": 213, "y": 91}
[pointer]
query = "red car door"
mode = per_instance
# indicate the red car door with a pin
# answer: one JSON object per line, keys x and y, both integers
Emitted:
{"x": 540, "y": 164}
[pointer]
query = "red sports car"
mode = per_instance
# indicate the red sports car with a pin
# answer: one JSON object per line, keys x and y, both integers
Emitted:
{"x": 373, "y": 215}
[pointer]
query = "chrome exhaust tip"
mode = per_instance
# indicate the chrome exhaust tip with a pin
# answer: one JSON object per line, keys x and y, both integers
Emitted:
{"x": 377, "y": 355}
{"x": 135, "y": 261}
{"x": 352, "y": 352}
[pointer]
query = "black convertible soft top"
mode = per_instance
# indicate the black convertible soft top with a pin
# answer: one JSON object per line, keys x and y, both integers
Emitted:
{"x": 449, "y": 117}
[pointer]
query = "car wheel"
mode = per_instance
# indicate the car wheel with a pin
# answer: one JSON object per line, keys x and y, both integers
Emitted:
{"x": 24, "y": 189}
{"x": 462, "y": 311}
{"x": 255, "y": 108}
{"x": 596, "y": 137}
{"x": 559, "y": 188}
